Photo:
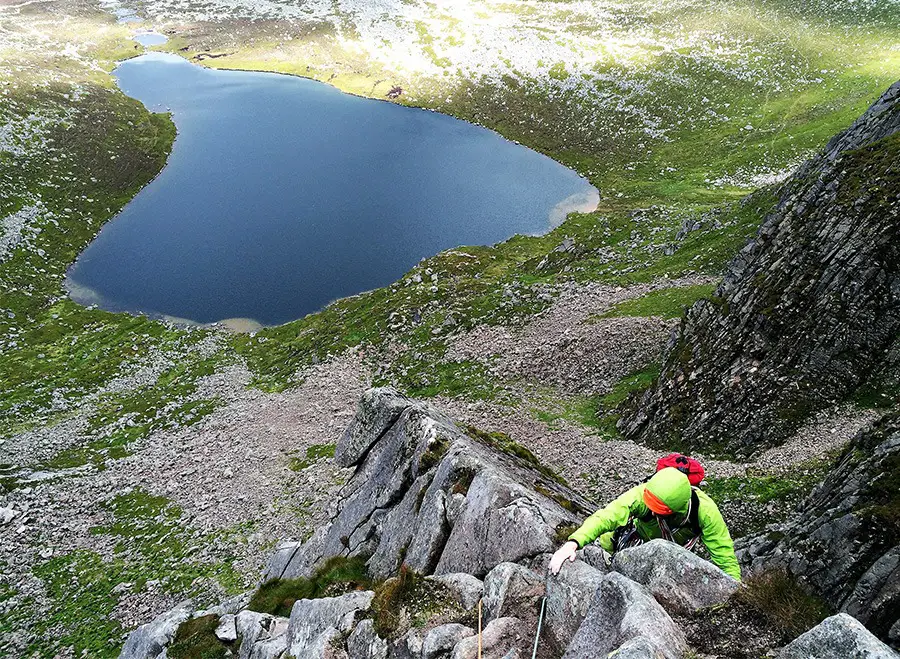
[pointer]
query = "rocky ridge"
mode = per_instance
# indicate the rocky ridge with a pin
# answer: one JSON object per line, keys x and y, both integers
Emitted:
{"x": 807, "y": 311}
{"x": 480, "y": 515}
{"x": 844, "y": 540}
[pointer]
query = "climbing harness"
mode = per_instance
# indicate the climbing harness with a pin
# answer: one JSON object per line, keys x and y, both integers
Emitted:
{"x": 627, "y": 536}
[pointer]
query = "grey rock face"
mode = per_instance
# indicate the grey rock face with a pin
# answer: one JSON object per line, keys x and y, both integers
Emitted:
{"x": 806, "y": 311}
{"x": 378, "y": 410}
{"x": 465, "y": 588}
{"x": 441, "y": 640}
{"x": 314, "y": 623}
{"x": 364, "y": 643}
{"x": 149, "y": 641}
{"x": 838, "y": 541}
{"x": 511, "y": 590}
{"x": 503, "y": 638}
{"x": 679, "y": 579}
{"x": 226, "y": 631}
{"x": 569, "y": 594}
{"x": 837, "y": 637}
{"x": 503, "y": 521}
{"x": 262, "y": 636}
{"x": 623, "y": 614}
{"x": 428, "y": 494}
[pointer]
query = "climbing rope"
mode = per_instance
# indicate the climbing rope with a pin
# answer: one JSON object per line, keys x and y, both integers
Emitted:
{"x": 479, "y": 629}
{"x": 540, "y": 623}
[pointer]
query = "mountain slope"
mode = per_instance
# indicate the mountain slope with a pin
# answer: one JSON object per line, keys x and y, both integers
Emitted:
{"x": 806, "y": 311}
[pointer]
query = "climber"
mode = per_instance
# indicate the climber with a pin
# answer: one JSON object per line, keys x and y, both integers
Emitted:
{"x": 666, "y": 506}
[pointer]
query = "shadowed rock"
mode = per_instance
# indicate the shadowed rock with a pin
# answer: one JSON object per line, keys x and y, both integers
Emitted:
{"x": 503, "y": 638}
{"x": 364, "y": 643}
{"x": 843, "y": 539}
{"x": 511, "y": 590}
{"x": 441, "y": 640}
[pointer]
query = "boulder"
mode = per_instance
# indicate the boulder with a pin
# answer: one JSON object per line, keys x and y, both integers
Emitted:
{"x": 623, "y": 614}
{"x": 838, "y": 637}
{"x": 465, "y": 588}
{"x": 226, "y": 631}
{"x": 314, "y": 623}
{"x": 409, "y": 646}
{"x": 679, "y": 579}
{"x": 149, "y": 641}
{"x": 569, "y": 594}
{"x": 504, "y": 521}
{"x": 263, "y": 636}
{"x": 511, "y": 590}
{"x": 364, "y": 643}
{"x": 503, "y": 638}
{"x": 441, "y": 640}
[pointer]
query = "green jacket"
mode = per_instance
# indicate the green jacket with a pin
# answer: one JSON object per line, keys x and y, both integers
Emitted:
{"x": 713, "y": 531}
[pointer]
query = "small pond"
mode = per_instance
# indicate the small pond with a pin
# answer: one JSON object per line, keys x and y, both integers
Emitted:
{"x": 282, "y": 194}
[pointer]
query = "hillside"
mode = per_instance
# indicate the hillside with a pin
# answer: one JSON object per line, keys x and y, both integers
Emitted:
{"x": 144, "y": 461}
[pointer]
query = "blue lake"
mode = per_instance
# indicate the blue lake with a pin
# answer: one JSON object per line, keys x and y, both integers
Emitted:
{"x": 283, "y": 194}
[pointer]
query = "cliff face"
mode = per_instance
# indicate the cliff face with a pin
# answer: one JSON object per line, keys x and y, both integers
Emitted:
{"x": 844, "y": 540}
{"x": 806, "y": 311}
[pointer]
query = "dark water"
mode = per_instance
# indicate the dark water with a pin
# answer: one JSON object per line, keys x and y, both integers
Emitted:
{"x": 282, "y": 194}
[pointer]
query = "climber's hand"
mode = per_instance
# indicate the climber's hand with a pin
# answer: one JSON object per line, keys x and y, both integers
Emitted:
{"x": 564, "y": 553}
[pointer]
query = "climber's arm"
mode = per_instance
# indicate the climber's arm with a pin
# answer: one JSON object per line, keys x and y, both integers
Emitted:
{"x": 607, "y": 519}
{"x": 715, "y": 536}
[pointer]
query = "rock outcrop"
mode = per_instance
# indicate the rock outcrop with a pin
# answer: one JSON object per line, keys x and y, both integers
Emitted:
{"x": 844, "y": 540}
{"x": 434, "y": 497}
{"x": 806, "y": 311}
{"x": 149, "y": 641}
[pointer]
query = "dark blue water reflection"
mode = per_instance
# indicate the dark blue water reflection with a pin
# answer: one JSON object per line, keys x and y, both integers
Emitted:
{"x": 282, "y": 194}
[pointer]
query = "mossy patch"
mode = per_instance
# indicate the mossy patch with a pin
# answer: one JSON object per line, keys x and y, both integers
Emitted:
{"x": 196, "y": 639}
{"x": 408, "y": 600}
{"x": 784, "y": 601}
{"x": 665, "y": 303}
{"x": 337, "y": 576}
{"x": 313, "y": 454}
{"x": 502, "y": 442}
